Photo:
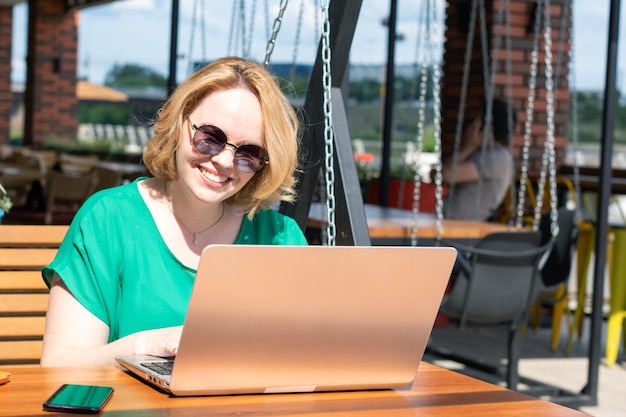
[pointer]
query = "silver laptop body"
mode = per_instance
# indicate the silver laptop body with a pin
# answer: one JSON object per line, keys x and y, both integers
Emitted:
{"x": 269, "y": 319}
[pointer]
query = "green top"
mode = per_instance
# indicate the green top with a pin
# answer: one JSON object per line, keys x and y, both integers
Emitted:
{"x": 115, "y": 263}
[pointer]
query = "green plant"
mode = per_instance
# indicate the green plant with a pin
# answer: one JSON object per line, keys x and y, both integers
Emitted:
{"x": 404, "y": 171}
{"x": 5, "y": 200}
{"x": 401, "y": 168}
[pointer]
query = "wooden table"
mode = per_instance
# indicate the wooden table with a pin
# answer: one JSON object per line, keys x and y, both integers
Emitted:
{"x": 435, "y": 392}
{"x": 589, "y": 177}
{"x": 394, "y": 226}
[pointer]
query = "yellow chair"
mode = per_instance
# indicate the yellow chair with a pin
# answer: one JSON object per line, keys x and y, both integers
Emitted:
{"x": 617, "y": 312}
{"x": 616, "y": 268}
{"x": 584, "y": 248}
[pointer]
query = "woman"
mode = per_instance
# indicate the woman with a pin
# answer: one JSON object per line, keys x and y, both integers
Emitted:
{"x": 224, "y": 150}
{"x": 482, "y": 175}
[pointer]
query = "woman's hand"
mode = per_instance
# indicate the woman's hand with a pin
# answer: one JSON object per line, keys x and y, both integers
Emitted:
{"x": 472, "y": 137}
{"x": 158, "y": 342}
{"x": 75, "y": 337}
{"x": 464, "y": 169}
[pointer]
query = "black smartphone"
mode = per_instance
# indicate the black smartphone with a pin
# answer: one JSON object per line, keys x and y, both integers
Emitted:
{"x": 73, "y": 398}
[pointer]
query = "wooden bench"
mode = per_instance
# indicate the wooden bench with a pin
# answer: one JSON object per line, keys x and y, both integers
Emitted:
{"x": 24, "y": 250}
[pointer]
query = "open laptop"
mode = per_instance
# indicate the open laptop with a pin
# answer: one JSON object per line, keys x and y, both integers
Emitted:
{"x": 269, "y": 319}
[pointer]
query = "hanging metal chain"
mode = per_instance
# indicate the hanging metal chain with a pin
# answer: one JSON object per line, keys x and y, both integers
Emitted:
{"x": 272, "y": 41}
{"x": 549, "y": 154}
{"x": 242, "y": 19}
{"x": 419, "y": 81}
{"x": 203, "y": 30}
{"x": 437, "y": 126}
{"x": 420, "y": 146}
{"x": 530, "y": 107}
{"x": 198, "y": 15}
{"x": 328, "y": 125}
{"x": 429, "y": 55}
{"x": 437, "y": 133}
{"x": 266, "y": 13}
{"x": 417, "y": 59}
{"x": 248, "y": 43}
{"x": 296, "y": 44}
{"x": 574, "y": 109}
{"x": 232, "y": 31}
{"x": 484, "y": 46}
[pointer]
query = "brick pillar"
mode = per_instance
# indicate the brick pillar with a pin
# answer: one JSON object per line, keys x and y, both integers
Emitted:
{"x": 521, "y": 39}
{"x": 6, "y": 29}
{"x": 50, "y": 96}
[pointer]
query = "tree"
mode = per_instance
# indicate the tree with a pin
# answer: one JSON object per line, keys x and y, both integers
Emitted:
{"x": 365, "y": 91}
{"x": 134, "y": 75}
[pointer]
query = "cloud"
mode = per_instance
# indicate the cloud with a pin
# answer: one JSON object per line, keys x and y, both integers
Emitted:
{"x": 149, "y": 5}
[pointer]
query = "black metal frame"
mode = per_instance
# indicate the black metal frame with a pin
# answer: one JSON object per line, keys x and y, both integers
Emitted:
{"x": 350, "y": 221}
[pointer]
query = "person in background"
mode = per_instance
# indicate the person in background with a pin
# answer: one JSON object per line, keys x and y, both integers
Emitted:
{"x": 225, "y": 149}
{"x": 481, "y": 174}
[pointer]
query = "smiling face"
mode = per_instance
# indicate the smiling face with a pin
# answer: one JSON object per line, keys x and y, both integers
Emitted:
{"x": 211, "y": 179}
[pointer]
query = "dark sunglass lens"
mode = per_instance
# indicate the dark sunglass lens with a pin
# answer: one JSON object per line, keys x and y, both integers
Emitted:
{"x": 251, "y": 151}
{"x": 250, "y": 158}
{"x": 209, "y": 140}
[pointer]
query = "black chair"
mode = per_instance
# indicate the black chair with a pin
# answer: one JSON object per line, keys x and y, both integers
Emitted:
{"x": 496, "y": 285}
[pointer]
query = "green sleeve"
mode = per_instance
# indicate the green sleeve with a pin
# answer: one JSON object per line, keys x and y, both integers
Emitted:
{"x": 115, "y": 263}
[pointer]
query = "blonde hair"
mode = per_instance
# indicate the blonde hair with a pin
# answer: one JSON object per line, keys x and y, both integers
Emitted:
{"x": 280, "y": 130}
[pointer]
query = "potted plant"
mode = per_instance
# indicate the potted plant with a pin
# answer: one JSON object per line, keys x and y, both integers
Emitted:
{"x": 402, "y": 176}
{"x": 365, "y": 168}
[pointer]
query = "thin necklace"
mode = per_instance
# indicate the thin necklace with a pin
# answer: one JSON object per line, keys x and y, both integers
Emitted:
{"x": 194, "y": 234}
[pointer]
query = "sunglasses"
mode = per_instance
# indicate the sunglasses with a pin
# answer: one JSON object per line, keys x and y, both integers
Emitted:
{"x": 211, "y": 140}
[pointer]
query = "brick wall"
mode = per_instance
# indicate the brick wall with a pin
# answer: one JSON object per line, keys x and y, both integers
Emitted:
{"x": 521, "y": 41}
{"x": 50, "y": 95}
{"x": 6, "y": 29}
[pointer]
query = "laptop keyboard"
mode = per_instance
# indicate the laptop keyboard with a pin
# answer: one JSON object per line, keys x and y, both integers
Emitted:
{"x": 162, "y": 368}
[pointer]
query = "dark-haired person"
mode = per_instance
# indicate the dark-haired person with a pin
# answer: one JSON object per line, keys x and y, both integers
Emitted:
{"x": 225, "y": 149}
{"x": 481, "y": 174}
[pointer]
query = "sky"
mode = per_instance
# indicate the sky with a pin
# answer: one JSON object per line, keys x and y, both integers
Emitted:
{"x": 138, "y": 32}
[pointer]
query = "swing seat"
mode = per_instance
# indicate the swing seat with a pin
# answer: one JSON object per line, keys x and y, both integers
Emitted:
{"x": 496, "y": 285}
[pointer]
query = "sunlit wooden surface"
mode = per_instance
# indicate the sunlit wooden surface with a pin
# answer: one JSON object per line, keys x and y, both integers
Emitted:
{"x": 395, "y": 223}
{"x": 435, "y": 392}
{"x": 31, "y": 235}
